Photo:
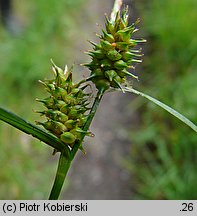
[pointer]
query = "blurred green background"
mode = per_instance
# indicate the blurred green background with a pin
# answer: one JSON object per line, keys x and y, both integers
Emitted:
{"x": 163, "y": 156}
{"x": 165, "y": 150}
{"x": 40, "y": 31}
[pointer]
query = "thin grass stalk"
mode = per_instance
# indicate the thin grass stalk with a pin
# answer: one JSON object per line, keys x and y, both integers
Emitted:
{"x": 62, "y": 170}
{"x": 64, "y": 161}
{"x": 116, "y": 8}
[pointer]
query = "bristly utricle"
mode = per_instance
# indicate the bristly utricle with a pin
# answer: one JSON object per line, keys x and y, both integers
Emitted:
{"x": 66, "y": 108}
{"x": 115, "y": 53}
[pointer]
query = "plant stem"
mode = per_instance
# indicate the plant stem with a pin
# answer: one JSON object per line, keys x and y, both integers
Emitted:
{"x": 116, "y": 8}
{"x": 88, "y": 122}
{"x": 62, "y": 170}
{"x": 64, "y": 161}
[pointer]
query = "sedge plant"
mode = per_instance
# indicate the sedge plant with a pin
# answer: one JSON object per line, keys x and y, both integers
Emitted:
{"x": 69, "y": 109}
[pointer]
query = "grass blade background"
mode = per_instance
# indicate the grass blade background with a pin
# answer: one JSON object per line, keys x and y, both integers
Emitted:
{"x": 164, "y": 106}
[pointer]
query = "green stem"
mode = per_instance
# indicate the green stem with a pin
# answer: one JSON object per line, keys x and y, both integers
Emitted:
{"x": 65, "y": 162}
{"x": 88, "y": 122}
{"x": 62, "y": 170}
{"x": 33, "y": 130}
{"x": 116, "y": 8}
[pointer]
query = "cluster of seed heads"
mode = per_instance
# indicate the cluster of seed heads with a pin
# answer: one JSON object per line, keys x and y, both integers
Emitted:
{"x": 115, "y": 53}
{"x": 66, "y": 107}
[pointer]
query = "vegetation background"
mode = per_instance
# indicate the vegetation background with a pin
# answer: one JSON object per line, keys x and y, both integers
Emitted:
{"x": 140, "y": 151}
{"x": 166, "y": 150}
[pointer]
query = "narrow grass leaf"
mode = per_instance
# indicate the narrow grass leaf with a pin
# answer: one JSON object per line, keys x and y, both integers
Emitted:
{"x": 164, "y": 106}
{"x": 31, "y": 129}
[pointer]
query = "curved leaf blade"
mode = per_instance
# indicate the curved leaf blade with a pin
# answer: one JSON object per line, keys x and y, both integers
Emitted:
{"x": 33, "y": 130}
{"x": 164, "y": 106}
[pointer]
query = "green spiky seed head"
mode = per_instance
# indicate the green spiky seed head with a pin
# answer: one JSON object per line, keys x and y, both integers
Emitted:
{"x": 115, "y": 53}
{"x": 66, "y": 107}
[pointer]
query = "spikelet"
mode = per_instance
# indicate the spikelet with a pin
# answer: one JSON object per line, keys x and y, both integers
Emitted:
{"x": 66, "y": 107}
{"x": 115, "y": 53}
